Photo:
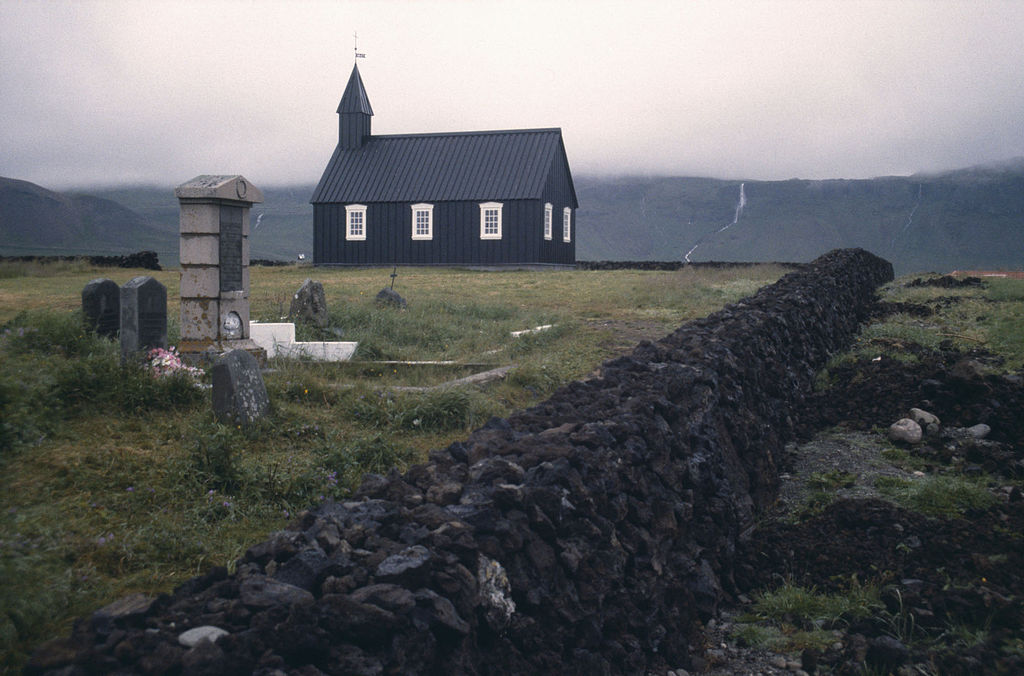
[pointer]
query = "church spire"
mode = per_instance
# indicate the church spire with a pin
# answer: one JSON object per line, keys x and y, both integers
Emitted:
{"x": 354, "y": 113}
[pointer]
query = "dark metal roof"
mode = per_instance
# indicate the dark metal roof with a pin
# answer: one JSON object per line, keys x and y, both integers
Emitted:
{"x": 487, "y": 165}
{"x": 355, "y": 100}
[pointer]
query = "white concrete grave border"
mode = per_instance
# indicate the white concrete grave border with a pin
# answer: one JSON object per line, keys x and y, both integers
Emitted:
{"x": 278, "y": 339}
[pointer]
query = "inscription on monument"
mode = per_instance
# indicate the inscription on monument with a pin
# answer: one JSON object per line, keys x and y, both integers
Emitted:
{"x": 230, "y": 248}
{"x": 152, "y": 326}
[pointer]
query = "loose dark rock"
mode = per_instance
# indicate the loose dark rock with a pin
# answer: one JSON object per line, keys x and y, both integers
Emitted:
{"x": 945, "y": 282}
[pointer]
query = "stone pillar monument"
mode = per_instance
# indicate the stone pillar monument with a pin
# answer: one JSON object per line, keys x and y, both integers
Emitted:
{"x": 215, "y": 265}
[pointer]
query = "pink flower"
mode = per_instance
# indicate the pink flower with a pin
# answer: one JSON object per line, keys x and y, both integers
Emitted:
{"x": 167, "y": 362}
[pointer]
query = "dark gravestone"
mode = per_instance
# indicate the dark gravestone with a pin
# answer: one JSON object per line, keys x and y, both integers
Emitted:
{"x": 309, "y": 304}
{"x": 239, "y": 395}
{"x": 101, "y": 305}
{"x": 390, "y": 297}
{"x": 143, "y": 315}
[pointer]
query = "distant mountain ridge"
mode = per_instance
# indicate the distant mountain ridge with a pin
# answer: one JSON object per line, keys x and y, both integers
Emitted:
{"x": 34, "y": 220}
{"x": 126, "y": 219}
{"x": 968, "y": 218}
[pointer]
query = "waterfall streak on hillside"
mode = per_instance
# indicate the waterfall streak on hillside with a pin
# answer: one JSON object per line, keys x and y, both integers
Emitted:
{"x": 739, "y": 210}
{"x": 910, "y": 218}
{"x": 735, "y": 219}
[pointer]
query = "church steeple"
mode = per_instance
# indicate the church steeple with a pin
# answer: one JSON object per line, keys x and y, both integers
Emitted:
{"x": 354, "y": 113}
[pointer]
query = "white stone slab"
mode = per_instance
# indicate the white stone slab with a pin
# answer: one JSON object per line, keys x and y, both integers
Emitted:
{"x": 536, "y": 329}
{"x": 326, "y": 351}
{"x": 272, "y": 334}
{"x": 278, "y": 339}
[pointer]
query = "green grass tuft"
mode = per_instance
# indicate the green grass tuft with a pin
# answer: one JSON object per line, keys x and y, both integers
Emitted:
{"x": 938, "y": 495}
{"x": 792, "y": 618}
{"x": 808, "y": 609}
{"x": 758, "y": 636}
{"x": 831, "y": 480}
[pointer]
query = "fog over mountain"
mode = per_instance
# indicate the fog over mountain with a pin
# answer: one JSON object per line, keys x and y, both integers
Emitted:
{"x": 972, "y": 218}
{"x": 121, "y": 91}
{"x": 968, "y": 219}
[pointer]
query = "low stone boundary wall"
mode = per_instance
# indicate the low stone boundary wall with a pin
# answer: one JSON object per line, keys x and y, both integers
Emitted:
{"x": 672, "y": 265}
{"x": 590, "y": 534}
{"x": 147, "y": 260}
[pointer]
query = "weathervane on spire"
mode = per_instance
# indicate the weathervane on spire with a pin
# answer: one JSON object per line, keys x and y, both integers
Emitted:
{"x": 355, "y": 46}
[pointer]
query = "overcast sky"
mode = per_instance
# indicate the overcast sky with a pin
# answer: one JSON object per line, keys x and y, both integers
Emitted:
{"x": 130, "y": 91}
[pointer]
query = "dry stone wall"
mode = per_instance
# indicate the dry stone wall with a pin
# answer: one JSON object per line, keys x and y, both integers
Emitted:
{"x": 590, "y": 534}
{"x": 147, "y": 260}
{"x": 674, "y": 265}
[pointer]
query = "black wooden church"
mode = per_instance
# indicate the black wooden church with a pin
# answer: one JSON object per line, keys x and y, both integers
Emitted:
{"x": 467, "y": 198}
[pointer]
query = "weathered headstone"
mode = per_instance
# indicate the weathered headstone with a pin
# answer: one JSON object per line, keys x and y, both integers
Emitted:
{"x": 239, "y": 394}
{"x": 309, "y": 304}
{"x": 143, "y": 315}
{"x": 214, "y": 256}
{"x": 390, "y": 297}
{"x": 101, "y": 305}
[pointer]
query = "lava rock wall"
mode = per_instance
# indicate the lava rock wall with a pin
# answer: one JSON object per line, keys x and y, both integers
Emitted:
{"x": 673, "y": 265}
{"x": 147, "y": 260}
{"x": 592, "y": 533}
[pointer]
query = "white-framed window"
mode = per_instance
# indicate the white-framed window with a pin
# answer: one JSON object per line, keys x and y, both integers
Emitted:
{"x": 547, "y": 220}
{"x": 423, "y": 221}
{"x": 490, "y": 220}
{"x": 566, "y": 225}
{"x": 355, "y": 222}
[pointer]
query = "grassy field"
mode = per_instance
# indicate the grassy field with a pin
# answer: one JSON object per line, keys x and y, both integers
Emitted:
{"x": 114, "y": 481}
{"x": 989, "y": 317}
